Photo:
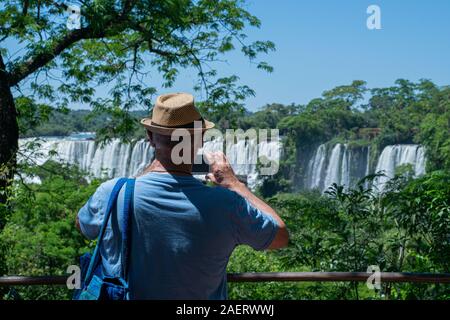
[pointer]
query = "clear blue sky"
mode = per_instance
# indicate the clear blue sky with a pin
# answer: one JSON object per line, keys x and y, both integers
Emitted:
{"x": 325, "y": 43}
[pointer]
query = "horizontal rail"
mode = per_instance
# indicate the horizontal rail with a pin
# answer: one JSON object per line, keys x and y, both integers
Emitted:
{"x": 268, "y": 276}
{"x": 339, "y": 276}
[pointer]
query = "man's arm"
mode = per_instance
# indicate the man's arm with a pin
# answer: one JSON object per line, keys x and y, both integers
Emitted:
{"x": 222, "y": 174}
{"x": 90, "y": 217}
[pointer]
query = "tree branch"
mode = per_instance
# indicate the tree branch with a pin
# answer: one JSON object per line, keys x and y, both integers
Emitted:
{"x": 26, "y": 4}
{"x": 137, "y": 27}
{"x": 4, "y": 76}
{"x": 2, "y": 65}
{"x": 24, "y": 69}
{"x": 128, "y": 6}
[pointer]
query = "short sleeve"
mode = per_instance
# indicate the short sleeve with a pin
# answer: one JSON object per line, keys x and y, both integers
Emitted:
{"x": 92, "y": 213}
{"x": 252, "y": 226}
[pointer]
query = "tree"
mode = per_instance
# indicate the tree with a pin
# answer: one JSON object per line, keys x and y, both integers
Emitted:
{"x": 118, "y": 44}
{"x": 40, "y": 236}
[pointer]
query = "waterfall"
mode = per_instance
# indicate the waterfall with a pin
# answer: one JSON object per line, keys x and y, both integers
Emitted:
{"x": 245, "y": 154}
{"x": 326, "y": 168}
{"x": 367, "y": 170}
{"x": 345, "y": 171}
{"x": 420, "y": 163}
{"x": 346, "y": 165}
{"x": 111, "y": 160}
{"x": 397, "y": 155}
{"x": 316, "y": 167}
{"x": 117, "y": 159}
{"x": 339, "y": 163}
{"x": 334, "y": 167}
{"x": 141, "y": 155}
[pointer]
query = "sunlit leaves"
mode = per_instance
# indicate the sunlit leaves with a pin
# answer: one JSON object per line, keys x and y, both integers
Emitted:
{"x": 124, "y": 43}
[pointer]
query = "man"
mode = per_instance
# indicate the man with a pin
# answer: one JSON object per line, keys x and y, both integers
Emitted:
{"x": 183, "y": 232}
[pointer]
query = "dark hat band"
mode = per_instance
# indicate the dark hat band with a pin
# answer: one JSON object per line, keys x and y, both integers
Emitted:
{"x": 182, "y": 126}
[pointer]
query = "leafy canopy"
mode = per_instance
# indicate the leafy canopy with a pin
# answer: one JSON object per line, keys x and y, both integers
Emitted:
{"x": 120, "y": 46}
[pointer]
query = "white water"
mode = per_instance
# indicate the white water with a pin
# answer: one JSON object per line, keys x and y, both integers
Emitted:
{"x": 112, "y": 160}
{"x": 397, "y": 155}
{"x": 333, "y": 173}
{"x": 345, "y": 166}
{"x": 338, "y": 164}
{"x": 117, "y": 159}
{"x": 316, "y": 167}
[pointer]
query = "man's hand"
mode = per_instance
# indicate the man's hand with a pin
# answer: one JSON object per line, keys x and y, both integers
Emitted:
{"x": 222, "y": 173}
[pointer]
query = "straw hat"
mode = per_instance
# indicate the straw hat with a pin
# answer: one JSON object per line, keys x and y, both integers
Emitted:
{"x": 174, "y": 111}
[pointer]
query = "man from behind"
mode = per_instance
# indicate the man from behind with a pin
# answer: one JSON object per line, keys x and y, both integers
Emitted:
{"x": 182, "y": 231}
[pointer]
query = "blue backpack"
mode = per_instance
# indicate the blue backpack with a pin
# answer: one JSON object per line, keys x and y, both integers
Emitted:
{"x": 95, "y": 284}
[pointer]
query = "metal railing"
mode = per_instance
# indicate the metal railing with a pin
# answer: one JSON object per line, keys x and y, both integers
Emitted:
{"x": 268, "y": 276}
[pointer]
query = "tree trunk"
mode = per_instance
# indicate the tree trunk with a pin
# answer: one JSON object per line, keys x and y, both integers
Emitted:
{"x": 9, "y": 138}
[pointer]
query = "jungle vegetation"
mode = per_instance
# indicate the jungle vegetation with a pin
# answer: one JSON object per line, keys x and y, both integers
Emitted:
{"x": 404, "y": 228}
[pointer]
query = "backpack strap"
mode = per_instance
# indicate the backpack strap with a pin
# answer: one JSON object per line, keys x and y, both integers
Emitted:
{"x": 111, "y": 204}
{"x": 128, "y": 209}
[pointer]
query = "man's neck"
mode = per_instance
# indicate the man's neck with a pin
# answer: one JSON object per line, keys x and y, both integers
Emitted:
{"x": 165, "y": 164}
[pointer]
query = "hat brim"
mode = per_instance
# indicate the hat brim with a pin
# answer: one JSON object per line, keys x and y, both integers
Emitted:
{"x": 149, "y": 125}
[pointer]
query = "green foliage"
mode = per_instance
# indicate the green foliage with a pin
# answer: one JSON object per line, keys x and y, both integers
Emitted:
{"x": 119, "y": 45}
{"x": 66, "y": 123}
{"x": 421, "y": 208}
{"x": 404, "y": 113}
{"x": 40, "y": 237}
{"x": 268, "y": 116}
{"x": 245, "y": 259}
{"x": 403, "y": 229}
{"x": 336, "y": 113}
{"x": 435, "y": 134}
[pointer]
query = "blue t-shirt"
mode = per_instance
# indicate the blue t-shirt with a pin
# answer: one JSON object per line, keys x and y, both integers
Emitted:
{"x": 183, "y": 233}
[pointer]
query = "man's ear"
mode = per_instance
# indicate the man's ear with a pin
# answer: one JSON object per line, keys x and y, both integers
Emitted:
{"x": 150, "y": 138}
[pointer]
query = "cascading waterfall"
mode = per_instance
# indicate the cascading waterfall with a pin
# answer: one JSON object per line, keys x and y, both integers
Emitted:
{"x": 339, "y": 163}
{"x": 316, "y": 168}
{"x": 397, "y": 155}
{"x": 104, "y": 161}
{"x": 367, "y": 170}
{"x": 333, "y": 173}
{"x": 116, "y": 159}
{"x": 141, "y": 155}
{"x": 346, "y": 165}
{"x": 336, "y": 165}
